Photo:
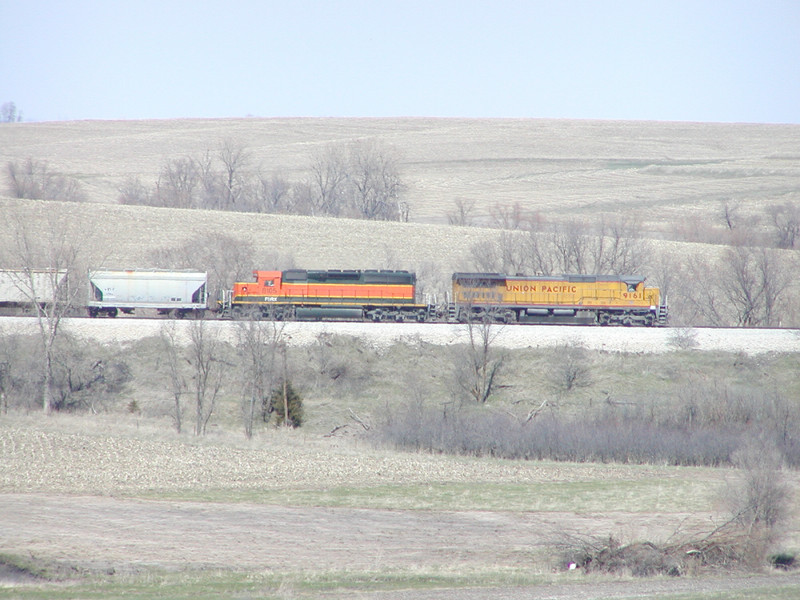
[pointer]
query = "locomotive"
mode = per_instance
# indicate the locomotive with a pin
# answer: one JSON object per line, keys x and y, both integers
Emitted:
{"x": 391, "y": 296}
{"x": 335, "y": 294}
{"x": 373, "y": 295}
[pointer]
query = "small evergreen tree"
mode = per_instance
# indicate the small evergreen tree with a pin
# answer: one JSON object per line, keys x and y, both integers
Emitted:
{"x": 285, "y": 400}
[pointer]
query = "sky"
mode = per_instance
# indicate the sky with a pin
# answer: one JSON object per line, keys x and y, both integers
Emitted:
{"x": 672, "y": 60}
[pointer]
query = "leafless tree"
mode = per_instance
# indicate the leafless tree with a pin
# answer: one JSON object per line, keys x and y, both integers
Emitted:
{"x": 760, "y": 500}
{"x": 786, "y": 220}
{"x": 374, "y": 175}
{"x": 173, "y": 361}
{"x": 753, "y": 281}
{"x": 203, "y": 354}
{"x": 507, "y": 253}
{"x": 512, "y": 216}
{"x": 327, "y": 181}
{"x": 35, "y": 180}
{"x": 730, "y": 214}
{"x": 478, "y": 368}
{"x": 47, "y": 262}
{"x": 178, "y": 184}
{"x": 618, "y": 247}
{"x": 134, "y": 192}
{"x": 258, "y": 343}
{"x": 272, "y": 194}
{"x": 208, "y": 369}
{"x": 9, "y": 113}
{"x": 463, "y": 213}
{"x": 235, "y": 159}
{"x": 706, "y": 304}
{"x": 571, "y": 369}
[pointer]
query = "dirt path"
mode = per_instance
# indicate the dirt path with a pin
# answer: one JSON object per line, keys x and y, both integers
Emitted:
{"x": 105, "y": 532}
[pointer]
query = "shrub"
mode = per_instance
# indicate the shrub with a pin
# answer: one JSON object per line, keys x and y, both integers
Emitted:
{"x": 287, "y": 405}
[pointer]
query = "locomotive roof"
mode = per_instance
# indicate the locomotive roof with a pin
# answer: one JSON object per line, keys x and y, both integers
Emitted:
{"x": 500, "y": 277}
{"x": 369, "y": 276}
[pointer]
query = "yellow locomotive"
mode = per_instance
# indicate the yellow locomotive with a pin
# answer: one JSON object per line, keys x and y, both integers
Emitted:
{"x": 580, "y": 299}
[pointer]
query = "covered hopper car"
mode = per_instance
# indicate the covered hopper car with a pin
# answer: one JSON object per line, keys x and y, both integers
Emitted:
{"x": 174, "y": 293}
{"x": 22, "y": 289}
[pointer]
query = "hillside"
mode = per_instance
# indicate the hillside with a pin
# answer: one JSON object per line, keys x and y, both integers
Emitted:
{"x": 662, "y": 172}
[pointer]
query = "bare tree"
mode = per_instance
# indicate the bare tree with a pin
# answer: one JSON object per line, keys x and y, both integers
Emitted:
{"x": 47, "y": 262}
{"x": 617, "y": 247}
{"x": 327, "y": 181}
{"x": 272, "y": 194}
{"x": 707, "y": 304}
{"x": 173, "y": 362}
{"x": 258, "y": 343}
{"x": 786, "y": 220}
{"x": 35, "y": 180}
{"x": 753, "y": 281}
{"x": 478, "y": 368}
{"x": 9, "y": 113}
{"x": 512, "y": 216}
{"x": 730, "y": 214}
{"x": 178, "y": 184}
{"x": 375, "y": 178}
{"x": 134, "y": 192}
{"x": 234, "y": 160}
{"x": 571, "y": 369}
{"x": 507, "y": 253}
{"x": 204, "y": 355}
{"x": 463, "y": 213}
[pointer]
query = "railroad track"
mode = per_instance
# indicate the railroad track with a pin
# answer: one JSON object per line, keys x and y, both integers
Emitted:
{"x": 303, "y": 333}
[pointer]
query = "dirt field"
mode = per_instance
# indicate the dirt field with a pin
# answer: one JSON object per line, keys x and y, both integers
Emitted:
{"x": 113, "y": 534}
{"x": 109, "y": 500}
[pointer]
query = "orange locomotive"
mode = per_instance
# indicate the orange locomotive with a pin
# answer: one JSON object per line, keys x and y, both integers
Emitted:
{"x": 585, "y": 299}
{"x": 333, "y": 294}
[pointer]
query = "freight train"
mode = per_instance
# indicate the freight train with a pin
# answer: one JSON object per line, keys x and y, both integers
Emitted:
{"x": 373, "y": 295}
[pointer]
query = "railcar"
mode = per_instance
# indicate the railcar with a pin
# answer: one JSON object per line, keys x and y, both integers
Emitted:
{"x": 333, "y": 294}
{"x": 173, "y": 293}
{"x": 22, "y": 289}
{"x": 581, "y": 299}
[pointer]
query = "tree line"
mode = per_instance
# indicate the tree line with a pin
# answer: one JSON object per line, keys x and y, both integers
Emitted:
{"x": 358, "y": 180}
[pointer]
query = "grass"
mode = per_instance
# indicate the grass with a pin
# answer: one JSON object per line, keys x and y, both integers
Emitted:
{"x": 681, "y": 494}
{"x": 213, "y": 584}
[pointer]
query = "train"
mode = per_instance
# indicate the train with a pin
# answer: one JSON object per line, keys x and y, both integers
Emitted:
{"x": 366, "y": 295}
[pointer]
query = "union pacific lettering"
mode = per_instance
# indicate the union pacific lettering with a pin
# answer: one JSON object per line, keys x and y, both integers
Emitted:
{"x": 543, "y": 289}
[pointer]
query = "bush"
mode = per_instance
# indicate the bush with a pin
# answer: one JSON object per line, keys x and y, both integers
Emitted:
{"x": 609, "y": 434}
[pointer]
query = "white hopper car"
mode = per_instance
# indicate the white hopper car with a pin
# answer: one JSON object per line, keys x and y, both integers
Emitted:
{"x": 173, "y": 293}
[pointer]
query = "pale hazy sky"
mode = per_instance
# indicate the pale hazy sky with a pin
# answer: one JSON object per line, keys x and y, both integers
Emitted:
{"x": 695, "y": 60}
